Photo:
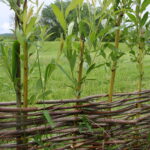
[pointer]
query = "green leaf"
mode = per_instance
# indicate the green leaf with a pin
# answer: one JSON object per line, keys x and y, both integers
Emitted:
{"x": 65, "y": 72}
{"x": 39, "y": 84}
{"x": 70, "y": 53}
{"x": 47, "y": 36}
{"x": 88, "y": 57}
{"x": 104, "y": 31}
{"x": 38, "y": 140}
{"x": 144, "y": 19}
{"x": 115, "y": 52}
{"x": 71, "y": 57}
{"x": 30, "y": 26}
{"x": 44, "y": 94}
{"x": 24, "y": 19}
{"x": 148, "y": 137}
{"x": 90, "y": 69}
{"x": 105, "y": 6}
{"x": 32, "y": 99}
{"x": 132, "y": 52}
{"x": 70, "y": 28}
{"x": 15, "y": 49}
{"x": 48, "y": 118}
{"x": 102, "y": 53}
{"x": 49, "y": 70}
{"x": 20, "y": 36}
{"x": 117, "y": 2}
{"x": 144, "y": 5}
{"x": 39, "y": 8}
{"x": 85, "y": 124}
{"x": 72, "y": 6}
{"x": 6, "y": 60}
{"x": 60, "y": 17}
{"x": 132, "y": 17}
{"x": 93, "y": 39}
{"x": 83, "y": 28}
{"x": 112, "y": 30}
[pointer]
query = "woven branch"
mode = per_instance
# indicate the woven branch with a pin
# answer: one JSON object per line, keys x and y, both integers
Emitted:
{"x": 120, "y": 126}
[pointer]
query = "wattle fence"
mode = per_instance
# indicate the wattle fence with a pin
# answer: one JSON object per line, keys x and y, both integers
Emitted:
{"x": 93, "y": 124}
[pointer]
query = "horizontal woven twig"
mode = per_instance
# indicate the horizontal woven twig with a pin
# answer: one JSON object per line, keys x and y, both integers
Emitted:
{"x": 93, "y": 119}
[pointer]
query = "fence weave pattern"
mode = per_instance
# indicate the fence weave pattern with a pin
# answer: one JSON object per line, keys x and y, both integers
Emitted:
{"x": 94, "y": 124}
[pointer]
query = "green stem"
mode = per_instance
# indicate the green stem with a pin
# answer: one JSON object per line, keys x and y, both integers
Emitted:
{"x": 80, "y": 71}
{"x": 40, "y": 73}
{"x": 112, "y": 81}
{"x": 140, "y": 56}
{"x": 141, "y": 68}
{"x": 25, "y": 5}
{"x": 114, "y": 65}
{"x": 79, "y": 82}
{"x": 141, "y": 72}
{"x": 25, "y": 83}
{"x": 17, "y": 83}
{"x": 25, "y": 91}
{"x": 114, "y": 68}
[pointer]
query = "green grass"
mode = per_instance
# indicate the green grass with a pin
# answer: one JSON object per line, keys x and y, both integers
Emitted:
{"x": 126, "y": 78}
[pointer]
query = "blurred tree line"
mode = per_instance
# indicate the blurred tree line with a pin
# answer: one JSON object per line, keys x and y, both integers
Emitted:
{"x": 49, "y": 19}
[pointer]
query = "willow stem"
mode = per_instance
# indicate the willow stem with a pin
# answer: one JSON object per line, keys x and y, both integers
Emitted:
{"x": 25, "y": 5}
{"x": 112, "y": 81}
{"x": 17, "y": 83}
{"x": 141, "y": 70}
{"x": 140, "y": 53}
{"x": 80, "y": 71}
{"x": 114, "y": 65}
{"x": 79, "y": 82}
{"x": 25, "y": 85}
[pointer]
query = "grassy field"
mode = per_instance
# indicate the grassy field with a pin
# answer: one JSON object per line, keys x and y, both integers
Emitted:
{"x": 126, "y": 79}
